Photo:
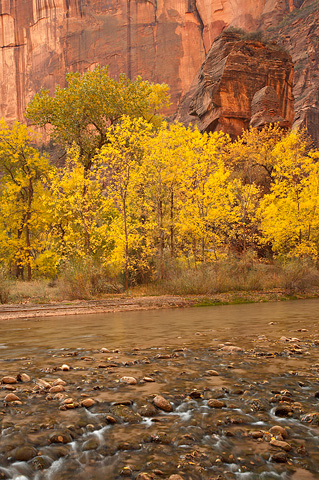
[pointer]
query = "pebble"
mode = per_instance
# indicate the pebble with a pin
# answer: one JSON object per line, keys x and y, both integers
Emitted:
{"x": 88, "y": 402}
{"x": 23, "y": 377}
{"x": 212, "y": 373}
{"x": 11, "y": 397}
{"x": 43, "y": 383}
{"x": 59, "y": 381}
{"x": 162, "y": 403}
{"x": 128, "y": 380}
{"x": 283, "y": 411}
{"x": 278, "y": 443}
{"x": 56, "y": 389}
{"x": 279, "y": 457}
{"x": 60, "y": 437}
{"x": 9, "y": 380}
{"x": 231, "y": 349}
{"x": 148, "y": 379}
{"x": 214, "y": 403}
{"x": 65, "y": 367}
{"x": 279, "y": 430}
{"x": 24, "y": 453}
{"x": 144, "y": 476}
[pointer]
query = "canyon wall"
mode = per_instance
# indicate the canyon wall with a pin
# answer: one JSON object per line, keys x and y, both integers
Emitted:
{"x": 162, "y": 40}
{"x": 242, "y": 83}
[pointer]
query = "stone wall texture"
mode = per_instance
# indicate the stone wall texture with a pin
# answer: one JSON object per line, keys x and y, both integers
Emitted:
{"x": 162, "y": 40}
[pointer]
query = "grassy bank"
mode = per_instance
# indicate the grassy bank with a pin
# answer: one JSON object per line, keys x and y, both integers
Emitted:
{"x": 228, "y": 281}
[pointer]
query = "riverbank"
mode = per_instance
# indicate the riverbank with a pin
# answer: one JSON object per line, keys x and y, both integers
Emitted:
{"x": 121, "y": 303}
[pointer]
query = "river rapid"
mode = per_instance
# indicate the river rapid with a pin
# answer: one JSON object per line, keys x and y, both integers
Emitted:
{"x": 228, "y": 392}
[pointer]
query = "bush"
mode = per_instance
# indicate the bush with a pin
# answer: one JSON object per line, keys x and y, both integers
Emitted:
{"x": 298, "y": 276}
{"x": 4, "y": 288}
{"x": 244, "y": 273}
{"x": 84, "y": 278}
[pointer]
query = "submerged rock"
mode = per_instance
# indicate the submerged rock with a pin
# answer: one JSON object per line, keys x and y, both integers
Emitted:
{"x": 24, "y": 453}
{"x": 163, "y": 404}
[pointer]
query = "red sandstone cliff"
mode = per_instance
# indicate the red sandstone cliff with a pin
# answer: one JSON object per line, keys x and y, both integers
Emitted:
{"x": 243, "y": 83}
{"x": 162, "y": 40}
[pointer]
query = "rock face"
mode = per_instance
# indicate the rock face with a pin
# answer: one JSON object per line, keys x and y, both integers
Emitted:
{"x": 299, "y": 33}
{"x": 162, "y": 40}
{"x": 243, "y": 83}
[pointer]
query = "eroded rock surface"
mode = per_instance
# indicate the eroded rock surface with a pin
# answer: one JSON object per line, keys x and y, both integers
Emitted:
{"x": 231, "y": 92}
{"x": 162, "y": 40}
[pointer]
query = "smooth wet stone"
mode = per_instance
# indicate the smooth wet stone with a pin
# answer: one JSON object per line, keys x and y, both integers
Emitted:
{"x": 11, "y": 397}
{"x": 256, "y": 434}
{"x": 126, "y": 414}
{"x": 65, "y": 367}
{"x": 59, "y": 381}
{"x": 195, "y": 394}
{"x": 88, "y": 402}
{"x": 147, "y": 410}
{"x": 60, "y": 437}
{"x": 104, "y": 350}
{"x": 163, "y": 404}
{"x": 212, "y": 373}
{"x": 8, "y": 380}
{"x": 280, "y": 444}
{"x": 279, "y": 430}
{"x": 144, "y": 476}
{"x": 40, "y": 462}
{"x": 279, "y": 457}
{"x": 214, "y": 403}
{"x": 23, "y": 377}
{"x": 56, "y": 389}
{"x": 128, "y": 380}
{"x": 231, "y": 349}
{"x": 126, "y": 471}
{"x": 43, "y": 383}
{"x": 148, "y": 379}
{"x": 283, "y": 411}
{"x": 24, "y": 453}
{"x": 91, "y": 444}
{"x": 111, "y": 420}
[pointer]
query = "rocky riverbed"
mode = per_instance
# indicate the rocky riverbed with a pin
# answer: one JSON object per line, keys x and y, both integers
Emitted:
{"x": 208, "y": 408}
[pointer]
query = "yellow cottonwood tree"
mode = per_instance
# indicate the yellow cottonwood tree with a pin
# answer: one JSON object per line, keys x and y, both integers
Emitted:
{"x": 24, "y": 219}
{"x": 118, "y": 167}
{"x": 82, "y": 112}
{"x": 80, "y": 220}
{"x": 290, "y": 212}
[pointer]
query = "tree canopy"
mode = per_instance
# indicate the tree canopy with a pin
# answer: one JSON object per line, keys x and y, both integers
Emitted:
{"x": 82, "y": 112}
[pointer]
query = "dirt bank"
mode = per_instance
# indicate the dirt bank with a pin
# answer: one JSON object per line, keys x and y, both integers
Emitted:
{"x": 125, "y": 303}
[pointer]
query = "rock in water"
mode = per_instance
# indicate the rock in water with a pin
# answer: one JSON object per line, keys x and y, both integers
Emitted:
{"x": 128, "y": 380}
{"x": 163, "y": 404}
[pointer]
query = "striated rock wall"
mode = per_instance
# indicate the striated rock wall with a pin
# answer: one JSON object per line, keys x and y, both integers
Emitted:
{"x": 299, "y": 33}
{"x": 243, "y": 83}
{"x": 162, "y": 40}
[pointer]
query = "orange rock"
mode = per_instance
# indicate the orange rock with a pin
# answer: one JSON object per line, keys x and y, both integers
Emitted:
{"x": 8, "y": 380}
{"x": 88, "y": 402}
{"x": 11, "y": 397}
{"x": 231, "y": 82}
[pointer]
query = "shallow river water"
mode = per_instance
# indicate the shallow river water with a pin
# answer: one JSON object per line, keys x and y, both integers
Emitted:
{"x": 240, "y": 386}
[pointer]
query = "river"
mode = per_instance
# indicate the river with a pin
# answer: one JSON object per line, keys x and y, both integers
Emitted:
{"x": 241, "y": 383}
